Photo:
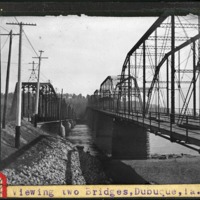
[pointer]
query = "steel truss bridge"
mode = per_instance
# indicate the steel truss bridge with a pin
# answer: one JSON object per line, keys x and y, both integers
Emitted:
{"x": 159, "y": 85}
{"x": 51, "y": 106}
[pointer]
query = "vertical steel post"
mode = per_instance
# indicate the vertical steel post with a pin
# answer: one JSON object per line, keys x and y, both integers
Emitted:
{"x": 179, "y": 82}
{"x": 144, "y": 78}
{"x": 150, "y": 120}
{"x": 7, "y": 82}
{"x": 129, "y": 86}
{"x": 60, "y": 113}
{"x": 32, "y": 100}
{"x": 45, "y": 93}
{"x": 167, "y": 73}
{"x": 39, "y": 107}
{"x": 28, "y": 103}
{"x": 171, "y": 134}
{"x": 48, "y": 99}
{"x": 157, "y": 88}
{"x": 135, "y": 79}
{"x": 194, "y": 79}
{"x": 50, "y": 95}
{"x": 52, "y": 104}
{"x": 41, "y": 104}
{"x": 186, "y": 129}
{"x": 172, "y": 70}
{"x": 23, "y": 101}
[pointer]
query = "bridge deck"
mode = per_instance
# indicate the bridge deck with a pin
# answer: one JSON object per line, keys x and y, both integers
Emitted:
{"x": 172, "y": 131}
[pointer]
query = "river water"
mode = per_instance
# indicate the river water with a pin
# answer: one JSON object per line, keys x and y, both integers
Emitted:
{"x": 148, "y": 145}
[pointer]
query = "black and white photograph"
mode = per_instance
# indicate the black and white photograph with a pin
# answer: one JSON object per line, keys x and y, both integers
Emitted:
{"x": 100, "y": 99}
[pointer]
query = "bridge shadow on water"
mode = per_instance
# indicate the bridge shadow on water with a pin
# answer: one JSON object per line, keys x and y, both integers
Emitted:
{"x": 121, "y": 173}
{"x": 120, "y": 140}
{"x": 124, "y": 143}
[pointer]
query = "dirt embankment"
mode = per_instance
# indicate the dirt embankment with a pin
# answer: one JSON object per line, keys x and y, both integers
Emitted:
{"x": 46, "y": 159}
{"x": 28, "y": 134}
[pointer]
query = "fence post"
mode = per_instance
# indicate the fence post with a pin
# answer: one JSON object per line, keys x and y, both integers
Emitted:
{"x": 150, "y": 120}
{"x": 186, "y": 129}
{"x": 143, "y": 120}
{"x": 171, "y": 128}
{"x": 159, "y": 121}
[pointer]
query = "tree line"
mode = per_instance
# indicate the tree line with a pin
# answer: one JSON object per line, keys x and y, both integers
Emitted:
{"x": 77, "y": 102}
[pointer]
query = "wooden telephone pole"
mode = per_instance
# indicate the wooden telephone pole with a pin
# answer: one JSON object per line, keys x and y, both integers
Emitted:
{"x": 19, "y": 84}
{"x": 38, "y": 88}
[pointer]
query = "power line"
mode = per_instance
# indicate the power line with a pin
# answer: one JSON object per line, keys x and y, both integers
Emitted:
{"x": 4, "y": 29}
{"x": 4, "y": 43}
{"x": 30, "y": 43}
{"x": 28, "y": 39}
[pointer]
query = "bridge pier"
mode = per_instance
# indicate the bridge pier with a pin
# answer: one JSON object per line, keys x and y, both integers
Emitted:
{"x": 119, "y": 138}
{"x": 129, "y": 141}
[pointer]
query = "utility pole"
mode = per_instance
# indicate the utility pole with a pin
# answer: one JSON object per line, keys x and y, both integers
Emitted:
{"x": 0, "y": 99}
{"x": 7, "y": 82}
{"x": 19, "y": 84}
{"x": 38, "y": 87}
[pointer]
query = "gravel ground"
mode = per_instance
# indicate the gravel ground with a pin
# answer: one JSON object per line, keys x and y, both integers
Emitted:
{"x": 51, "y": 161}
{"x": 55, "y": 161}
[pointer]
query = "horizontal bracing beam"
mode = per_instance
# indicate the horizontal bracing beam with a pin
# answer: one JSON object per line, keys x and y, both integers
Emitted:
{"x": 170, "y": 82}
{"x": 158, "y": 47}
{"x": 179, "y": 25}
{"x": 191, "y": 40}
{"x": 167, "y": 38}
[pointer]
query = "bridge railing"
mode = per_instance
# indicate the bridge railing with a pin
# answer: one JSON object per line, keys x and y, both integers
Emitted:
{"x": 185, "y": 123}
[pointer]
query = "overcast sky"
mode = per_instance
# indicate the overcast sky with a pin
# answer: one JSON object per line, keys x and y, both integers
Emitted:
{"x": 82, "y": 51}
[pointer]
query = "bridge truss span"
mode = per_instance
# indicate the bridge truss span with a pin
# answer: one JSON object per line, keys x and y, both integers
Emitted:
{"x": 49, "y": 103}
{"x": 160, "y": 78}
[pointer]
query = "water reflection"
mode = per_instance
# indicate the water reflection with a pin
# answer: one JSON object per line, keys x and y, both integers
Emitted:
{"x": 82, "y": 135}
{"x": 161, "y": 146}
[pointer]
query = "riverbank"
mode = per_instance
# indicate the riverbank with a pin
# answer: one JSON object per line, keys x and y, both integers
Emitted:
{"x": 47, "y": 159}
